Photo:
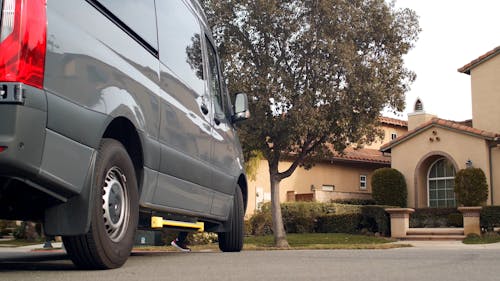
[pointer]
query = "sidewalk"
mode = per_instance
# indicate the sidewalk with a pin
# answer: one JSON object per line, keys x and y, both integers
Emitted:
{"x": 452, "y": 245}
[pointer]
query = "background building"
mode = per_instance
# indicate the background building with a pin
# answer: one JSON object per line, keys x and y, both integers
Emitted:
{"x": 434, "y": 149}
{"x": 344, "y": 176}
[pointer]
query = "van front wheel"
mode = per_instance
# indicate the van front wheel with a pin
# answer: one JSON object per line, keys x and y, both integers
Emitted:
{"x": 114, "y": 213}
{"x": 232, "y": 241}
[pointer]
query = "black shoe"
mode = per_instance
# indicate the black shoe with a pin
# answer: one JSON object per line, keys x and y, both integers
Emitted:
{"x": 180, "y": 246}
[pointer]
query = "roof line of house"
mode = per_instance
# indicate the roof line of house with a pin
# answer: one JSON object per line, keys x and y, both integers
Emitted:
{"x": 441, "y": 123}
{"x": 363, "y": 161}
{"x": 468, "y": 67}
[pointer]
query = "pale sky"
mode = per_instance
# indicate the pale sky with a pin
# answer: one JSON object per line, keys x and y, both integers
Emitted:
{"x": 454, "y": 32}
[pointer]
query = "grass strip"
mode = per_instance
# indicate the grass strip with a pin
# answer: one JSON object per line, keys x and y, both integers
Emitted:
{"x": 308, "y": 241}
{"x": 485, "y": 239}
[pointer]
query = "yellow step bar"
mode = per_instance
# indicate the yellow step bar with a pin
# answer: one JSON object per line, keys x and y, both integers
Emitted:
{"x": 159, "y": 222}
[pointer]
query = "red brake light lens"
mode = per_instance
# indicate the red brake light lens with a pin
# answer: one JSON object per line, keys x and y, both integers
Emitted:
{"x": 23, "y": 45}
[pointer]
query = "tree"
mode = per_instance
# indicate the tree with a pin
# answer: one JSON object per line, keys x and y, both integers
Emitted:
{"x": 389, "y": 187}
{"x": 318, "y": 74}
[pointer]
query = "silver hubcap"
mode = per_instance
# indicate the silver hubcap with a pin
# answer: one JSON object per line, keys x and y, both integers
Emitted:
{"x": 115, "y": 205}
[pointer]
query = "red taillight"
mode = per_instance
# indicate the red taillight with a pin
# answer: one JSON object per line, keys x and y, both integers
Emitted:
{"x": 23, "y": 35}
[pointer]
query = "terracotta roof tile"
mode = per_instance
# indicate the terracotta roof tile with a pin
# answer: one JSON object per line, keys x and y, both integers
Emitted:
{"x": 443, "y": 123}
{"x": 393, "y": 121}
{"x": 363, "y": 155}
{"x": 468, "y": 67}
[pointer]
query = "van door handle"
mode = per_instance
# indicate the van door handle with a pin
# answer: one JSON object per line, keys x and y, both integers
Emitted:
{"x": 204, "y": 109}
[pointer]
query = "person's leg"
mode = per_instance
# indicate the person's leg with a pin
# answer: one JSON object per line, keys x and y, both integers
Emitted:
{"x": 181, "y": 237}
{"x": 180, "y": 242}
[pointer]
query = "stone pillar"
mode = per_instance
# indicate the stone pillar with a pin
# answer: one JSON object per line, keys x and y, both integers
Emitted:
{"x": 471, "y": 219}
{"x": 400, "y": 221}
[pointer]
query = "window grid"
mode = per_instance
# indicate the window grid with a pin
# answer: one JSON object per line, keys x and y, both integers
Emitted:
{"x": 441, "y": 184}
{"x": 362, "y": 182}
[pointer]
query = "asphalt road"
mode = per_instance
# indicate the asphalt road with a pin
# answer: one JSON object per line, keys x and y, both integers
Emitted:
{"x": 419, "y": 263}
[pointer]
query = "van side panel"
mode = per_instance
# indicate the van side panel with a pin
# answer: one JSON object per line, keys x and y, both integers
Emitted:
{"x": 94, "y": 64}
{"x": 185, "y": 130}
{"x": 94, "y": 73}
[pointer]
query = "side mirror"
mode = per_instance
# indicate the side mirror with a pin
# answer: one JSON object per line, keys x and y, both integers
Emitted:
{"x": 241, "y": 111}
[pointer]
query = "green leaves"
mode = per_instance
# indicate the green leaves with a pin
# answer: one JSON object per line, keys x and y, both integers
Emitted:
{"x": 389, "y": 187}
{"x": 471, "y": 187}
{"x": 316, "y": 72}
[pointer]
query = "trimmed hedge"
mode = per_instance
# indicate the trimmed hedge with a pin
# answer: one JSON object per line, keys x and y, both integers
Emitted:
{"x": 354, "y": 201}
{"x": 389, "y": 187}
{"x": 490, "y": 217}
{"x": 471, "y": 187}
{"x": 300, "y": 217}
{"x": 436, "y": 217}
{"x": 261, "y": 223}
{"x": 376, "y": 220}
{"x": 310, "y": 217}
{"x": 344, "y": 223}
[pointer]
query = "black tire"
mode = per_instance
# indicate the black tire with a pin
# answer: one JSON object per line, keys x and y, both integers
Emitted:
{"x": 114, "y": 213}
{"x": 232, "y": 241}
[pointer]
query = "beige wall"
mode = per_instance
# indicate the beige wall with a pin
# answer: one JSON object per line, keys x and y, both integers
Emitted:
{"x": 414, "y": 157}
{"x": 485, "y": 85}
{"x": 388, "y": 131}
{"x": 344, "y": 177}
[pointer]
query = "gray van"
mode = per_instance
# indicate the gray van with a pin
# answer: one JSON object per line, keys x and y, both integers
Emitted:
{"x": 113, "y": 117}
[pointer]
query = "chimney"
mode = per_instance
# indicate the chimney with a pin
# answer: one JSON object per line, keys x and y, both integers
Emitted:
{"x": 418, "y": 116}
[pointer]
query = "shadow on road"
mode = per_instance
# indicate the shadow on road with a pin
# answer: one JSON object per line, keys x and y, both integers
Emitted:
{"x": 35, "y": 262}
{"x": 56, "y": 261}
{"x": 59, "y": 261}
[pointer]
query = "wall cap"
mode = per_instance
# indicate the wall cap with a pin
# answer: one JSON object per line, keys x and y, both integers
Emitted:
{"x": 470, "y": 211}
{"x": 400, "y": 210}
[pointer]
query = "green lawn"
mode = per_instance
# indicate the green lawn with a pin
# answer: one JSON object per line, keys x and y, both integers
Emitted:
{"x": 301, "y": 242}
{"x": 296, "y": 241}
{"x": 323, "y": 241}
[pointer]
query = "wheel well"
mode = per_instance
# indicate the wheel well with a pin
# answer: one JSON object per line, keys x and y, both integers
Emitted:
{"x": 122, "y": 130}
{"x": 242, "y": 182}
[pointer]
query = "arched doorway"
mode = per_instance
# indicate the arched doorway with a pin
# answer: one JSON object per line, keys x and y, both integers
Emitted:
{"x": 441, "y": 184}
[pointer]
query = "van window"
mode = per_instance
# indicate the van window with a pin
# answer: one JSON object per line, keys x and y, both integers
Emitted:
{"x": 137, "y": 15}
{"x": 218, "y": 95}
{"x": 215, "y": 88}
{"x": 180, "y": 43}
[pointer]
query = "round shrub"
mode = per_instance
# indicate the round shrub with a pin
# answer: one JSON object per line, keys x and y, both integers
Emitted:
{"x": 471, "y": 187}
{"x": 389, "y": 187}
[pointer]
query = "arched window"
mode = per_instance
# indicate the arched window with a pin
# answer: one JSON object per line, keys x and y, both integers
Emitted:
{"x": 441, "y": 182}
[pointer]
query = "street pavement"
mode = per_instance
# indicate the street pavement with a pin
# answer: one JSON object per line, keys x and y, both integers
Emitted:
{"x": 426, "y": 260}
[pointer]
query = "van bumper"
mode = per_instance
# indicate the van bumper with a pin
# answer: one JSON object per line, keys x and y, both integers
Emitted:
{"x": 40, "y": 157}
{"x": 22, "y": 132}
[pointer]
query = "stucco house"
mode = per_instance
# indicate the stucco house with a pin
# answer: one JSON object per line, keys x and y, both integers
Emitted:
{"x": 434, "y": 149}
{"x": 344, "y": 176}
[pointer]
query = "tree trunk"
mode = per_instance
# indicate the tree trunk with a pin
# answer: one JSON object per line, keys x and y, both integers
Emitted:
{"x": 278, "y": 227}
